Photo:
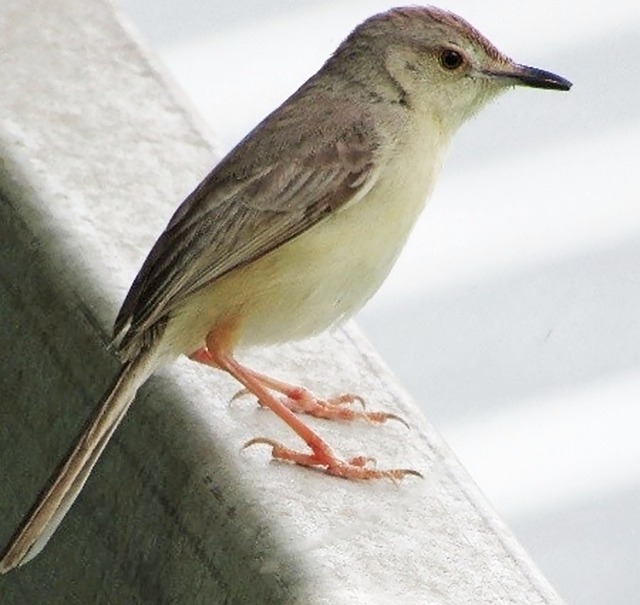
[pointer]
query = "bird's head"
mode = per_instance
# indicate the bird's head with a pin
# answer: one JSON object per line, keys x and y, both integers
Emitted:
{"x": 437, "y": 62}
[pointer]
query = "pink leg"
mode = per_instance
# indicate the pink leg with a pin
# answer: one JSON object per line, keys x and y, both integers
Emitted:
{"x": 321, "y": 455}
{"x": 302, "y": 401}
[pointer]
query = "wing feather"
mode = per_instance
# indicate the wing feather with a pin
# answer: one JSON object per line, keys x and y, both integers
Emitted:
{"x": 264, "y": 193}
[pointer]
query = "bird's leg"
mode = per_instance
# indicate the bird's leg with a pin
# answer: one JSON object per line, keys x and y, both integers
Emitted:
{"x": 321, "y": 455}
{"x": 302, "y": 401}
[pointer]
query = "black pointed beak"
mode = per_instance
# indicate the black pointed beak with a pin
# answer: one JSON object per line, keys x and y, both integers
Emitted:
{"x": 532, "y": 76}
{"x": 539, "y": 78}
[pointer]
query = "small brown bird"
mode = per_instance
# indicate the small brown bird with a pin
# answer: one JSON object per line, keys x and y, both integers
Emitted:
{"x": 295, "y": 229}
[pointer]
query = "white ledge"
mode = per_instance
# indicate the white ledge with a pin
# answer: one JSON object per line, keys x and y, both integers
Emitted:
{"x": 95, "y": 153}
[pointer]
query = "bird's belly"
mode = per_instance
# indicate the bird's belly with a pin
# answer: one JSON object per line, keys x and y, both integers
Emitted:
{"x": 329, "y": 272}
{"x": 317, "y": 279}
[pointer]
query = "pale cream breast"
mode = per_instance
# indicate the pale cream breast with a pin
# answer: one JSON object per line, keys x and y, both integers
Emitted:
{"x": 327, "y": 273}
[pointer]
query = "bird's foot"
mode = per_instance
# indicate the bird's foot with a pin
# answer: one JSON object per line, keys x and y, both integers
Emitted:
{"x": 296, "y": 399}
{"x": 302, "y": 401}
{"x": 358, "y": 468}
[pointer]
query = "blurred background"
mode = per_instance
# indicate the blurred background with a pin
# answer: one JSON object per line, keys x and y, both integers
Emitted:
{"x": 513, "y": 316}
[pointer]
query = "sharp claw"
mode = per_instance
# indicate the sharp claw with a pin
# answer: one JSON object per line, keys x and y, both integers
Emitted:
{"x": 397, "y": 475}
{"x": 398, "y": 418}
{"x": 260, "y": 440}
{"x": 239, "y": 394}
{"x": 360, "y": 400}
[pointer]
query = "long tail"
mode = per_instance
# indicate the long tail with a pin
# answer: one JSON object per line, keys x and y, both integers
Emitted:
{"x": 65, "y": 486}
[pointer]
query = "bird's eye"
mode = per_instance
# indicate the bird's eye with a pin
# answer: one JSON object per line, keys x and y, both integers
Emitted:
{"x": 451, "y": 59}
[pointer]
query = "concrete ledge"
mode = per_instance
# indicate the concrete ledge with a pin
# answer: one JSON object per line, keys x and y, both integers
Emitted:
{"x": 95, "y": 153}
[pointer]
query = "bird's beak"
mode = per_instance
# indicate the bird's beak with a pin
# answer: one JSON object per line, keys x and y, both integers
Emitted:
{"x": 530, "y": 76}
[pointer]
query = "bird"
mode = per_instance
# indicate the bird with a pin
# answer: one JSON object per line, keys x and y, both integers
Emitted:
{"x": 294, "y": 230}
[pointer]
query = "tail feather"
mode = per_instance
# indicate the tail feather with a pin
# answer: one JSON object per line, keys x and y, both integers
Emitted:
{"x": 57, "y": 499}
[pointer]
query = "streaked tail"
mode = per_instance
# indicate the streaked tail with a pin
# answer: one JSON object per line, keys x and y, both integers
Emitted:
{"x": 56, "y": 500}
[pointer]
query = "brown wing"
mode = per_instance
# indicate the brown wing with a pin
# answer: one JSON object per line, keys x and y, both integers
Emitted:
{"x": 280, "y": 180}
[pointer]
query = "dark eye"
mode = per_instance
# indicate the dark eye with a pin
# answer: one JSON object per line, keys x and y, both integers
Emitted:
{"x": 451, "y": 59}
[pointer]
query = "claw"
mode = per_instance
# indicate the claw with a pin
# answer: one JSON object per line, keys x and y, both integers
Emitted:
{"x": 384, "y": 416}
{"x": 241, "y": 393}
{"x": 345, "y": 399}
{"x": 258, "y": 440}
